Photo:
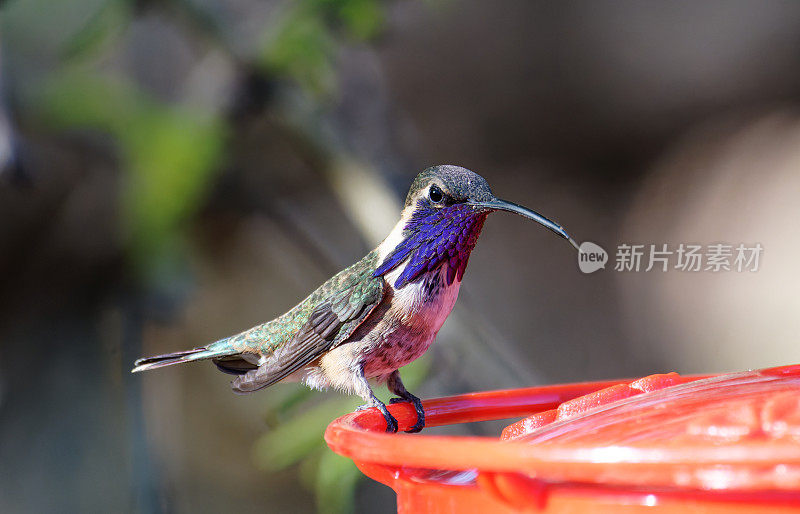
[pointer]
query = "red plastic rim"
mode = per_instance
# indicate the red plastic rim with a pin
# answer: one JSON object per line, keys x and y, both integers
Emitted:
{"x": 361, "y": 437}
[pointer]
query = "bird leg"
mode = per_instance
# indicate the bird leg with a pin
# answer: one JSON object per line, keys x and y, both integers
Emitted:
{"x": 365, "y": 391}
{"x": 396, "y": 386}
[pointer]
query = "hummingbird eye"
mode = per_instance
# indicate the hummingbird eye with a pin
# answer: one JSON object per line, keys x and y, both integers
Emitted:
{"x": 435, "y": 194}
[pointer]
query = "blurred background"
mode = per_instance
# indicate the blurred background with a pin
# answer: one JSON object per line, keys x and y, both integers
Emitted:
{"x": 173, "y": 172}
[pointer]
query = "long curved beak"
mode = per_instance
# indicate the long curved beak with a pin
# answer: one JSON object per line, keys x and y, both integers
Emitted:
{"x": 497, "y": 204}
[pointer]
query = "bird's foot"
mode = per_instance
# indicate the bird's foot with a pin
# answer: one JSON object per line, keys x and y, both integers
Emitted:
{"x": 408, "y": 397}
{"x": 391, "y": 422}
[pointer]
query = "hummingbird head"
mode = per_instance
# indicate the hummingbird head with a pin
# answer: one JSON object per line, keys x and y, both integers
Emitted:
{"x": 443, "y": 215}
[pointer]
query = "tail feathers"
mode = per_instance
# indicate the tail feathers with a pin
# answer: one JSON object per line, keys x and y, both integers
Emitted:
{"x": 168, "y": 359}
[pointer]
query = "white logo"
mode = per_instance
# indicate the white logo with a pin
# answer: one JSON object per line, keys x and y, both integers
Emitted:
{"x": 591, "y": 257}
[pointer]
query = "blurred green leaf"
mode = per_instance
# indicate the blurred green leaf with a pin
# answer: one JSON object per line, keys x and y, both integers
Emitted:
{"x": 107, "y": 22}
{"x": 42, "y": 29}
{"x": 337, "y": 479}
{"x": 172, "y": 156}
{"x": 309, "y": 467}
{"x": 285, "y": 399}
{"x": 302, "y": 49}
{"x": 303, "y": 44}
{"x": 169, "y": 156}
{"x": 363, "y": 19}
{"x": 295, "y": 438}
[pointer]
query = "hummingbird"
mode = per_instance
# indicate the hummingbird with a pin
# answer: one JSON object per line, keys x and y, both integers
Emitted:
{"x": 379, "y": 314}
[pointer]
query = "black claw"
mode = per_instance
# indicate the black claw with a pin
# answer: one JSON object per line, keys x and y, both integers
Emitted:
{"x": 391, "y": 422}
{"x": 420, "y": 424}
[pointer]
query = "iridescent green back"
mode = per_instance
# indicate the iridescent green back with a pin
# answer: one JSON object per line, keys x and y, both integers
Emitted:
{"x": 351, "y": 294}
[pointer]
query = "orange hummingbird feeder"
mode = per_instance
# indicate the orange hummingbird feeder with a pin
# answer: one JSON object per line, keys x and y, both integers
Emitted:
{"x": 725, "y": 443}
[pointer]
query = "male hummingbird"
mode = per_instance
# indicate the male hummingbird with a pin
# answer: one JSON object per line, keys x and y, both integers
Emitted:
{"x": 379, "y": 314}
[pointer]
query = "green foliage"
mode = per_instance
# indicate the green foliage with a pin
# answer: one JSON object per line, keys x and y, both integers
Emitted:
{"x": 299, "y": 435}
{"x": 39, "y": 36}
{"x": 337, "y": 479}
{"x": 100, "y": 28}
{"x": 362, "y": 19}
{"x": 301, "y": 49}
{"x": 304, "y": 44}
{"x": 169, "y": 156}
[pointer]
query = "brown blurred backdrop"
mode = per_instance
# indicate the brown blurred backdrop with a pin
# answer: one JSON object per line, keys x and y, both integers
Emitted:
{"x": 174, "y": 172}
